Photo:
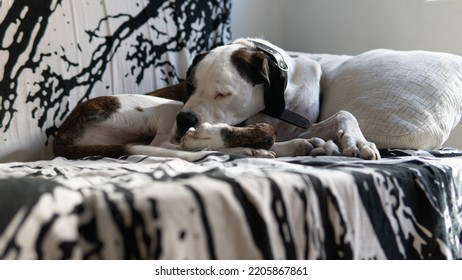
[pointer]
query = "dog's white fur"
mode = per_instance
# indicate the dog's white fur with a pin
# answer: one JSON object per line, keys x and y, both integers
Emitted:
{"x": 221, "y": 98}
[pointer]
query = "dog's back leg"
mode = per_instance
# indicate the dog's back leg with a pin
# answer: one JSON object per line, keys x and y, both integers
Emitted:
{"x": 168, "y": 153}
{"x": 197, "y": 155}
{"x": 116, "y": 151}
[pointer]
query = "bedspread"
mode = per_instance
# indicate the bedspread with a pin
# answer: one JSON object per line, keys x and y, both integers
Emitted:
{"x": 407, "y": 205}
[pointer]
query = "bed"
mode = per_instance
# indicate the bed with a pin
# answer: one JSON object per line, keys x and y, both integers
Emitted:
{"x": 407, "y": 205}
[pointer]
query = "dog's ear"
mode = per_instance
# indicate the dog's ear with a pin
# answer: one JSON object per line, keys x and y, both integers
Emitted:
{"x": 274, "y": 89}
{"x": 256, "y": 68}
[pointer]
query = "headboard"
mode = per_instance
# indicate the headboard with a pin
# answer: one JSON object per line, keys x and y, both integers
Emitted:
{"x": 57, "y": 53}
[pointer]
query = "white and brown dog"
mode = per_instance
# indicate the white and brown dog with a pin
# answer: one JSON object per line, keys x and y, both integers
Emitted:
{"x": 250, "y": 83}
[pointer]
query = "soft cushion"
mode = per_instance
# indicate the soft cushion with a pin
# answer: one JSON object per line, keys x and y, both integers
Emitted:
{"x": 402, "y": 99}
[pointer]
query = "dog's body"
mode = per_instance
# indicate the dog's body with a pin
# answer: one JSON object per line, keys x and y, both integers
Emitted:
{"x": 114, "y": 126}
{"x": 230, "y": 85}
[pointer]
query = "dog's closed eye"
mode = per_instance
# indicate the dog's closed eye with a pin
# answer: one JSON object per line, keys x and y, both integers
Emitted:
{"x": 222, "y": 95}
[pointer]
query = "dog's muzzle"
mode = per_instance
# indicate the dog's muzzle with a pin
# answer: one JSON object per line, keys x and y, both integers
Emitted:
{"x": 184, "y": 121}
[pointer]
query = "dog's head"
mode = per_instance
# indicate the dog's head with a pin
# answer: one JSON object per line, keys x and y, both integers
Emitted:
{"x": 230, "y": 84}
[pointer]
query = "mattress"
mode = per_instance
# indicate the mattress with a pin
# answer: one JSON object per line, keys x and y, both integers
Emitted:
{"x": 405, "y": 206}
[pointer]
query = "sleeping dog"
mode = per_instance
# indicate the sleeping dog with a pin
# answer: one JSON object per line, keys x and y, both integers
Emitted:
{"x": 119, "y": 125}
{"x": 251, "y": 83}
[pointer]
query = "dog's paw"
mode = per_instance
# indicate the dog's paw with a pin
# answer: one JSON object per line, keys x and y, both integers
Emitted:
{"x": 205, "y": 136}
{"x": 305, "y": 147}
{"x": 261, "y": 153}
{"x": 323, "y": 148}
{"x": 249, "y": 152}
{"x": 316, "y": 147}
{"x": 357, "y": 147}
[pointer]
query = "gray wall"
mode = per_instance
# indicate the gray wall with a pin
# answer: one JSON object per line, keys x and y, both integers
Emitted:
{"x": 354, "y": 26}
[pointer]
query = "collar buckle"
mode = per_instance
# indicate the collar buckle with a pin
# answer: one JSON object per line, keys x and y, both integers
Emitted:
{"x": 275, "y": 55}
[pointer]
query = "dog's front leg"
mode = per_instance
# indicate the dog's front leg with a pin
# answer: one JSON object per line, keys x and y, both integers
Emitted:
{"x": 344, "y": 128}
{"x": 305, "y": 147}
{"x": 254, "y": 140}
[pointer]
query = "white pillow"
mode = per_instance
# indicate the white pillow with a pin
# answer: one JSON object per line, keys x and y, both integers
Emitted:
{"x": 401, "y": 99}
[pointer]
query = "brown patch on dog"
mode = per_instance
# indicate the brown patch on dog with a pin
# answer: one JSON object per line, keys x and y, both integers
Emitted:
{"x": 256, "y": 136}
{"x": 251, "y": 65}
{"x": 175, "y": 92}
{"x": 84, "y": 115}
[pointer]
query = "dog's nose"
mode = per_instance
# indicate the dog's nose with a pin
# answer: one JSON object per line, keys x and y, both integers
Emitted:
{"x": 185, "y": 120}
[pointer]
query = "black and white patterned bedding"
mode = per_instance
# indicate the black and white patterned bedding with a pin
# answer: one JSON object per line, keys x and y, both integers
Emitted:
{"x": 225, "y": 207}
{"x": 57, "y": 53}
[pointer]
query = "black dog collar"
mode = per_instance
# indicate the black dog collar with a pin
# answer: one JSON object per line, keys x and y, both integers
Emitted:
{"x": 281, "y": 113}
{"x": 273, "y": 53}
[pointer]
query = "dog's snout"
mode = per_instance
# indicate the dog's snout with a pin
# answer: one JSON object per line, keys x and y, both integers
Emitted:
{"x": 185, "y": 120}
